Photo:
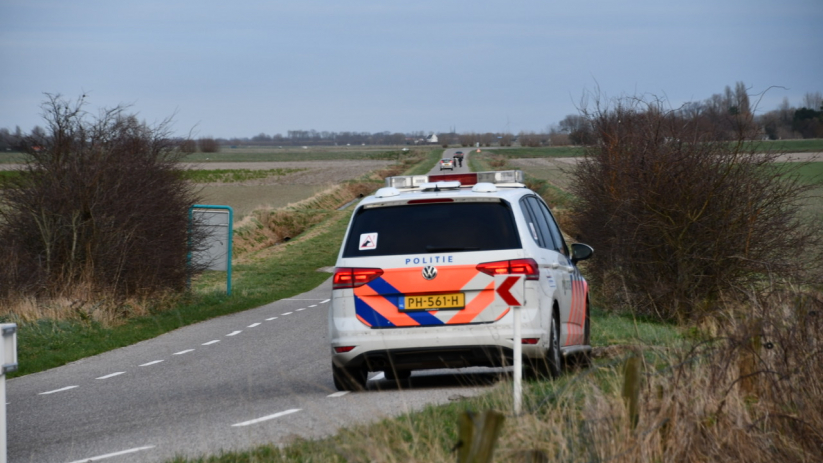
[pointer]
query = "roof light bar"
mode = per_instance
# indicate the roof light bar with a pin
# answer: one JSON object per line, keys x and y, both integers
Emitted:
{"x": 440, "y": 186}
{"x": 501, "y": 176}
{"x": 407, "y": 181}
{"x": 469, "y": 179}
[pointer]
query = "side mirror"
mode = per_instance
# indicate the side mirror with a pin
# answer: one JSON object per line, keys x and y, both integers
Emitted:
{"x": 580, "y": 252}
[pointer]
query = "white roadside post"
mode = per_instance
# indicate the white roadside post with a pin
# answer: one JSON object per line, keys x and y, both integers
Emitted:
{"x": 512, "y": 290}
{"x": 8, "y": 354}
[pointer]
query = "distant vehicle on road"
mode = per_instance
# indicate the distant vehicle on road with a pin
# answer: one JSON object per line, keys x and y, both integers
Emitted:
{"x": 447, "y": 164}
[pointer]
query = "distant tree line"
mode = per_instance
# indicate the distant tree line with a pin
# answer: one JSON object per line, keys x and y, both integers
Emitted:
{"x": 725, "y": 115}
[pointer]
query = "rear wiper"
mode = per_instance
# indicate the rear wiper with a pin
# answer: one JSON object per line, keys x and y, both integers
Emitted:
{"x": 431, "y": 248}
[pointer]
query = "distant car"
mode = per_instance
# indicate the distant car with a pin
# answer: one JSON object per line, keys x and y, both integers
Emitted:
{"x": 447, "y": 164}
{"x": 458, "y": 154}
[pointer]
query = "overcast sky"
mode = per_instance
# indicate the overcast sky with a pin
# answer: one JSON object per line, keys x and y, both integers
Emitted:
{"x": 236, "y": 68}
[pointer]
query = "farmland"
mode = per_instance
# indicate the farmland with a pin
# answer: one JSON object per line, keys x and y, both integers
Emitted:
{"x": 300, "y": 180}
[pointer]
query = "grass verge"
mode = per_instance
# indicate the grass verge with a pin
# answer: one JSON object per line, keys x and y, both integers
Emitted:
{"x": 233, "y": 175}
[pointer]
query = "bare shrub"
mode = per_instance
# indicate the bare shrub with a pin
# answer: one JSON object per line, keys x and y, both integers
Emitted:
{"x": 559, "y": 139}
{"x": 100, "y": 203}
{"x": 530, "y": 139}
{"x": 677, "y": 217}
{"x": 187, "y": 146}
{"x": 208, "y": 145}
{"x": 506, "y": 139}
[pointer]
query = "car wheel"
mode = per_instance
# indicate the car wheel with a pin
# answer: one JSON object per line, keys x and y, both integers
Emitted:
{"x": 554, "y": 360}
{"x": 550, "y": 366}
{"x": 349, "y": 379}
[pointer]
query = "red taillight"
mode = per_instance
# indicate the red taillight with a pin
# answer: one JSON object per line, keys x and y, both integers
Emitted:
{"x": 343, "y": 349}
{"x": 526, "y": 267}
{"x": 529, "y": 340}
{"x": 353, "y": 277}
{"x": 432, "y": 200}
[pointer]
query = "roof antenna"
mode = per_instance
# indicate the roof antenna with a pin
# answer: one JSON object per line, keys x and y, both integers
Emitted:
{"x": 436, "y": 187}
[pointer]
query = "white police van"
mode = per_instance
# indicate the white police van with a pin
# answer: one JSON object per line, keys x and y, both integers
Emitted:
{"x": 414, "y": 283}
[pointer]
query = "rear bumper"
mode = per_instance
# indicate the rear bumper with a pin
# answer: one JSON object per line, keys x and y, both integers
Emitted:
{"x": 430, "y": 358}
{"x": 419, "y": 348}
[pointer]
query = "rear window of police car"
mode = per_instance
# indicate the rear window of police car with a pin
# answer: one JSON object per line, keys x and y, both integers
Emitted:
{"x": 427, "y": 228}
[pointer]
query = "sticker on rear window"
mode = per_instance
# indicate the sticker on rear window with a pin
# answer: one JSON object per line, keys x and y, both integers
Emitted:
{"x": 368, "y": 241}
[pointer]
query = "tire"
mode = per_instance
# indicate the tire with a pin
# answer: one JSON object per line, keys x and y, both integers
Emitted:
{"x": 349, "y": 379}
{"x": 554, "y": 360}
{"x": 551, "y": 366}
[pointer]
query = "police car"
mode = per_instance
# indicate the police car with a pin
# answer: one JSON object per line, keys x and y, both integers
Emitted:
{"x": 414, "y": 284}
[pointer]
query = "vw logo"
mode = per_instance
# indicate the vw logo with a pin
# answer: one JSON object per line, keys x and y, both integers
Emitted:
{"x": 429, "y": 272}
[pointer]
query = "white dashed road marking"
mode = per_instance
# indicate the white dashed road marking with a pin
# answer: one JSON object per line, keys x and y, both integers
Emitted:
{"x": 253, "y": 325}
{"x": 315, "y": 305}
{"x": 111, "y": 375}
{"x": 58, "y": 390}
{"x": 210, "y": 342}
{"x": 298, "y": 310}
{"x": 338, "y": 394}
{"x": 287, "y": 313}
{"x": 269, "y": 417}
{"x": 270, "y": 319}
{"x": 151, "y": 363}
{"x": 323, "y": 302}
{"x": 183, "y": 352}
{"x": 233, "y": 333}
{"x": 115, "y": 454}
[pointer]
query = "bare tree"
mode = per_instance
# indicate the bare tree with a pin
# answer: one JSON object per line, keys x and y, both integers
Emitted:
{"x": 678, "y": 217}
{"x": 208, "y": 145}
{"x": 100, "y": 204}
{"x": 813, "y": 101}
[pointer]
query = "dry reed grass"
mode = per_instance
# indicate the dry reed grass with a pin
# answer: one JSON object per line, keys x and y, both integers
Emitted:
{"x": 752, "y": 391}
{"x": 81, "y": 303}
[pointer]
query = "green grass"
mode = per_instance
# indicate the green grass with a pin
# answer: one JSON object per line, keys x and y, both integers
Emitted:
{"x": 790, "y": 146}
{"x": 12, "y": 157}
{"x": 809, "y": 145}
{"x": 810, "y": 173}
{"x": 610, "y": 328}
{"x": 432, "y": 157}
{"x": 233, "y": 175}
